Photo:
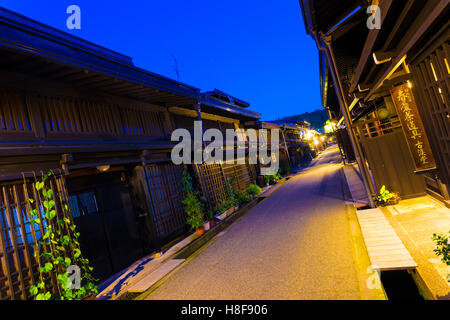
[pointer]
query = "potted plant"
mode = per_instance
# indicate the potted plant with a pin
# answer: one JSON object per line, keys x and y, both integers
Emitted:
{"x": 192, "y": 205}
{"x": 385, "y": 197}
{"x": 210, "y": 216}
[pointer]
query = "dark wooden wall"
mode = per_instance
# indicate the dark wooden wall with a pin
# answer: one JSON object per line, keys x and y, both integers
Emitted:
{"x": 391, "y": 164}
{"x": 431, "y": 89}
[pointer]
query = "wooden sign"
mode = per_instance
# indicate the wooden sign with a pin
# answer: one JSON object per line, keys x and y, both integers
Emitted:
{"x": 413, "y": 129}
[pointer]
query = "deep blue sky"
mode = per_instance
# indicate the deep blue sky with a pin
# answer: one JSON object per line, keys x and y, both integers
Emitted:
{"x": 257, "y": 51}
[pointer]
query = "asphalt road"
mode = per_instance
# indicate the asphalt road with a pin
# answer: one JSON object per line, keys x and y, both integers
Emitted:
{"x": 293, "y": 245}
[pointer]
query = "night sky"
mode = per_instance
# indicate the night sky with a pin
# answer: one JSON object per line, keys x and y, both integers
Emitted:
{"x": 257, "y": 51}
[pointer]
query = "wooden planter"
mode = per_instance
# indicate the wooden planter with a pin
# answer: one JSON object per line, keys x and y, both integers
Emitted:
{"x": 227, "y": 212}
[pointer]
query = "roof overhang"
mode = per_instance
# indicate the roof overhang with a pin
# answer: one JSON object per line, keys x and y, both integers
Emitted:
{"x": 79, "y": 62}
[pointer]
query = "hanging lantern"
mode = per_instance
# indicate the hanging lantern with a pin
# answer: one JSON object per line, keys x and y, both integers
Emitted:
{"x": 383, "y": 113}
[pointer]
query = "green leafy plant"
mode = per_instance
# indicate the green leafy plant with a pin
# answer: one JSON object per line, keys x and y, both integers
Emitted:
{"x": 267, "y": 179}
{"x": 58, "y": 248}
{"x": 192, "y": 205}
{"x": 385, "y": 197}
{"x": 254, "y": 190}
{"x": 222, "y": 206}
{"x": 210, "y": 215}
{"x": 443, "y": 248}
{"x": 230, "y": 195}
{"x": 242, "y": 197}
{"x": 271, "y": 179}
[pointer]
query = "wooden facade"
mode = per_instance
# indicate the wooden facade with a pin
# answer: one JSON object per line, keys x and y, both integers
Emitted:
{"x": 104, "y": 126}
{"x": 410, "y": 50}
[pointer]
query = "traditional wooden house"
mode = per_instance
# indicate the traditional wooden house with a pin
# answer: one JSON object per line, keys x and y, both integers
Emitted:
{"x": 102, "y": 127}
{"x": 293, "y": 139}
{"x": 222, "y": 111}
{"x": 389, "y": 85}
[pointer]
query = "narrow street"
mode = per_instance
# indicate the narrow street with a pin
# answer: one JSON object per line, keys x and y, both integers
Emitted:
{"x": 293, "y": 245}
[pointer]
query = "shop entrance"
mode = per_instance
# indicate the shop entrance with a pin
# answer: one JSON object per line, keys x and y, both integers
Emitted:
{"x": 105, "y": 217}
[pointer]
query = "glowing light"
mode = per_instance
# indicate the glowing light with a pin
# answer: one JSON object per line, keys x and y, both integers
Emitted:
{"x": 103, "y": 168}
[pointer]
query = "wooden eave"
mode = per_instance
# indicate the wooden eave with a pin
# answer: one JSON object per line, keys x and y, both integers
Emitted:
{"x": 403, "y": 26}
{"x": 31, "y": 47}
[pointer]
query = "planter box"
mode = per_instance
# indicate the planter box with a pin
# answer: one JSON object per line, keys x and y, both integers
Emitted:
{"x": 222, "y": 216}
{"x": 227, "y": 212}
{"x": 206, "y": 226}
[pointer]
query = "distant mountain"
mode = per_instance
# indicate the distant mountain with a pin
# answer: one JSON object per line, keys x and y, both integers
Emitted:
{"x": 317, "y": 118}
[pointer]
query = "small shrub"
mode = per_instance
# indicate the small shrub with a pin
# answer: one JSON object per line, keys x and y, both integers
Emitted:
{"x": 443, "y": 248}
{"x": 271, "y": 179}
{"x": 242, "y": 197}
{"x": 386, "y": 197}
{"x": 254, "y": 190}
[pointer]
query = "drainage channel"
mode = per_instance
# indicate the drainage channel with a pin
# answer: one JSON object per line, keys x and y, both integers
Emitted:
{"x": 400, "y": 285}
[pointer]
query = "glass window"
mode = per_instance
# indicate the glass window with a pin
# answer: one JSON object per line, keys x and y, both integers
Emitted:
{"x": 88, "y": 203}
{"x": 83, "y": 204}
{"x": 73, "y": 201}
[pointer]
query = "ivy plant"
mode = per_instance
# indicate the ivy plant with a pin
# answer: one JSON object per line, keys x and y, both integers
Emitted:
{"x": 58, "y": 248}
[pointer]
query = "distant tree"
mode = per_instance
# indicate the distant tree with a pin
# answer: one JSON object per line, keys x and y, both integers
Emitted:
{"x": 317, "y": 118}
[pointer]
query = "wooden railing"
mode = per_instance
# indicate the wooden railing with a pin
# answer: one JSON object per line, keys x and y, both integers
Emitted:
{"x": 374, "y": 128}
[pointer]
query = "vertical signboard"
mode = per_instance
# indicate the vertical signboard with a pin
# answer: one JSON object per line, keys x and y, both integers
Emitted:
{"x": 413, "y": 129}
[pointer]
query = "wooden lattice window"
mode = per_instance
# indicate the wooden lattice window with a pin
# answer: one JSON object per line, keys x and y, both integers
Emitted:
{"x": 142, "y": 123}
{"x": 18, "y": 236}
{"x": 238, "y": 174}
{"x": 211, "y": 177}
{"x": 166, "y": 194}
{"x": 14, "y": 116}
{"x": 432, "y": 83}
{"x": 62, "y": 115}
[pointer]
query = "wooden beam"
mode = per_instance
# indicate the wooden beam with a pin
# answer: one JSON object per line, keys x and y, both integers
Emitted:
{"x": 380, "y": 57}
{"x": 93, "y": 78}
{"x": 398, "y": 23}
{"x": 427, "y": 17}
{"x": 64, "y": 72}
{"x": 369, "y": 44}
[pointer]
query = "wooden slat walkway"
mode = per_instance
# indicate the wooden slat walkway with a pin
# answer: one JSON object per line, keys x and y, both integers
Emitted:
{"x": 386, "y": 250}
